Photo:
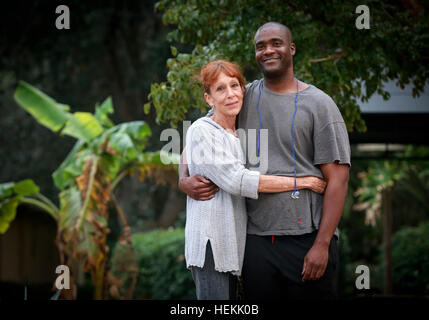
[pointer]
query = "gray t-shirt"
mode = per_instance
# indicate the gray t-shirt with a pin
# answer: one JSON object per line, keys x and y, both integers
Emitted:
{"x": 320, "y": 137}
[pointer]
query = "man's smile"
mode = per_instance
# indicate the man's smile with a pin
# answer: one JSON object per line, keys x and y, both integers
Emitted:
{"x": 271, "y": 59}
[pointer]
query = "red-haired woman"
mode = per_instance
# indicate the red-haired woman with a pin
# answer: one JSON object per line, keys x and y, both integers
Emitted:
{"x": 215, "y": 231}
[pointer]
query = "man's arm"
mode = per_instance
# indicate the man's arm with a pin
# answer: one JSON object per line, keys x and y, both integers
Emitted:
{"x": 316, "y": 260}
{"x": 197, "y": 187}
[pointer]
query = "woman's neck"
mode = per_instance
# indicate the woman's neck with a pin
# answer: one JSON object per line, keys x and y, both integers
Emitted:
{"x": 228, "y": 123}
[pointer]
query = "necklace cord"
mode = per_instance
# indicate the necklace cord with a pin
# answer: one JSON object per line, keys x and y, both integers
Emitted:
{"x": 295, "y": 194}
{"x": 293, "y": 135}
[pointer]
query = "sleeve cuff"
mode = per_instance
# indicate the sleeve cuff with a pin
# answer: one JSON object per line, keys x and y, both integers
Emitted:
{"x": 249, "y": 184}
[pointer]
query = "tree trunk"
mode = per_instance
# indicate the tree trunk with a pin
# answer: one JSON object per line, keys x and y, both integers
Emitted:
{"x": 387, "y": 240}
{"x": 174, "y": 205}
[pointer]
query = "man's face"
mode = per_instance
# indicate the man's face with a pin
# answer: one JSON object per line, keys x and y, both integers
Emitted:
{"x": 273, "y": 51}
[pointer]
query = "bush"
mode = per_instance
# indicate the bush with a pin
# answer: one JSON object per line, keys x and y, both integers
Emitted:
{"x": 162, "y": 268}
{"x": 410, "y": 254}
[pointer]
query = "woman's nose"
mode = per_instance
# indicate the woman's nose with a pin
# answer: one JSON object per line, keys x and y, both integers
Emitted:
{"x": 230, "y": 92}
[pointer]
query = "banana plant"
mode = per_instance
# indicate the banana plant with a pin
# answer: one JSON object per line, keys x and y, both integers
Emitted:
{"x": 103, "y": 154}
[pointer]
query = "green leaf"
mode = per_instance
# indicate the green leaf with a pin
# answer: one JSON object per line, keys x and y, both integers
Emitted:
{"x": 138, "y": 130}
{"x": 173, "y": 51}
{"x": 26, "y": 188}
{"x": 102, "y": 112}
{"x": 6, "y": 189}
{"x": 110, "y": 165}
{"x": 83, "y": 125}
{"x": 160, "y": 157}
{"x": 121, "y": 142}
{"x": 71, "y": 167}
{"x": 146, "y": 108}
{"x": 42, "y": 107}
{"x": 70, "y": 205}
{"x": 7, "y": 213}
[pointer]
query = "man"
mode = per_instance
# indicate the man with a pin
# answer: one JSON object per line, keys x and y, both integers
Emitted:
{"x": 291, "y": 245}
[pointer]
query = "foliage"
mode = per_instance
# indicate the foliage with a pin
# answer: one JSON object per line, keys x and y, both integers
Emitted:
{"x": 114, "y": 48}
{"x": 349, "y": 64}
{"x": 410, "y": 257}
{"x": 26, "y": 191}
{"x": 101, "y": 157}
{"x": 410, "y": 178}
{"x": 162, "y": 268}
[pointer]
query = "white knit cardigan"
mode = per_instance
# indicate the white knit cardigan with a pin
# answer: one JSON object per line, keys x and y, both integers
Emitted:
{"x": 217, "y": 155}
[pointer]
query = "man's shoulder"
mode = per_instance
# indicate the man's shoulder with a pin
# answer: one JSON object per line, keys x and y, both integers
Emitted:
{"x": 252, "y": 85}
{"x": 319, "y": 93}
{"x": 320, "y": 100}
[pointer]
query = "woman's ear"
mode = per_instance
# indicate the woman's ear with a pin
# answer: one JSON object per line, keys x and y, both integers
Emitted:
{"x": 208, "y": 99}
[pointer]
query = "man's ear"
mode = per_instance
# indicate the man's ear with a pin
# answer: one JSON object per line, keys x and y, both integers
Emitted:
{"x": 208, "y": 99}
{"x": 292, "y": 48}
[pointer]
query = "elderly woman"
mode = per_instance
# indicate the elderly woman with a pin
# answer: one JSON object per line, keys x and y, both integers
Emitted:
{"x": 215, "y": 231}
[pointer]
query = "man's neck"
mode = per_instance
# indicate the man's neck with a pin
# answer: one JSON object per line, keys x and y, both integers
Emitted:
{"x": 283, "y": 84}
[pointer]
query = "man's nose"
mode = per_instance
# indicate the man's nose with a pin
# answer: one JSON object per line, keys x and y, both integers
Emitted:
{"x": 268, "y": 50}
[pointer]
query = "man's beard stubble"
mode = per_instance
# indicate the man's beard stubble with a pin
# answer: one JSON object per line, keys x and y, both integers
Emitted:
{"x": 277, "y": 73}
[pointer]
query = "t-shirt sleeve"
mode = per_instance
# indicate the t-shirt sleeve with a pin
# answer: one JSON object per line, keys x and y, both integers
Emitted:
{"x": 331, "y": 140}
{"x": 331, "y": 144}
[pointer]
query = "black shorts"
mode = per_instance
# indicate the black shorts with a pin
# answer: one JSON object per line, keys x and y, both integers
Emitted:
{"x": 273, "y": 266}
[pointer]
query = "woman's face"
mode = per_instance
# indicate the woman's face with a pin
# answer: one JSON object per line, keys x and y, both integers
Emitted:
{"x": 226, "y": 95}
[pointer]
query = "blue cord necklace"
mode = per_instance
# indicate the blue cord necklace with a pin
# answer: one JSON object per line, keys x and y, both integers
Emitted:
{"x": 295, "y": 193}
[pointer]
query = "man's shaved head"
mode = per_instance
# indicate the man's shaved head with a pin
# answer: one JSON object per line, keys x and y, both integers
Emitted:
{"x": 277, "y": 25}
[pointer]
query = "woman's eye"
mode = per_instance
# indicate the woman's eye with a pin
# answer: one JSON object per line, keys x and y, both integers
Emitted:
{"x": 219, "y": 89}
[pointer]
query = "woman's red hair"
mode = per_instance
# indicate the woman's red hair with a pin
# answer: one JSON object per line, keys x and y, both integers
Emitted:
{"x": 211, "y": 71}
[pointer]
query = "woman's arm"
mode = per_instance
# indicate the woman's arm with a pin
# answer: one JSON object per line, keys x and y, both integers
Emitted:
{"x": 274, "y": 184}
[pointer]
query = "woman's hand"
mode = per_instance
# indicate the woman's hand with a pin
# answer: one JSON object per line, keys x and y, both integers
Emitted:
{"x": 316, "y": 184}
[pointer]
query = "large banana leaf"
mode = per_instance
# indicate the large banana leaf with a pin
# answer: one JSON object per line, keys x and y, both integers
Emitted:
{"x": 43, "y": 108}
{"x": 70, "y": 205}
{"x": 54, "y": 116}
{"x": 83, "y": 125}
{"x": 72, "y": 166}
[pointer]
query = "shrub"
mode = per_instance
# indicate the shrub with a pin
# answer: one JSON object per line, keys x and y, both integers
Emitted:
{"x": 162, "y": 268}
{"x": 410, "y": 254}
